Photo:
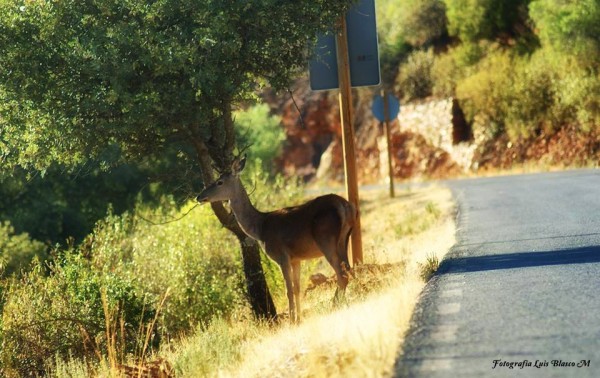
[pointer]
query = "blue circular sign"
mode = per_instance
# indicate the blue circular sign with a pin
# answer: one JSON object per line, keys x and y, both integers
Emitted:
{"x": 393, "y": 106}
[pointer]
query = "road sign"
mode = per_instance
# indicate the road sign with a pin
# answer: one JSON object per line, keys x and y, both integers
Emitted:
{"x": 378, "y": 107}
{"x": 363, "y": 51}
{"x": 323, "y": 67}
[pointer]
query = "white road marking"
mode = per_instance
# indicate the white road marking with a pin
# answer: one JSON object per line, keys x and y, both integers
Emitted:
{"x": 448, "y": 308}
{"x": 445, "y": 333}
{"x": 455, "y": 283}
{"x": 451, "y": 293}
{"x": 430, "y": 365}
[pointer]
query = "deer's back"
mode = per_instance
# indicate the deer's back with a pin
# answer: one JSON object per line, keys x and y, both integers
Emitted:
{"x": 298, "y": 228}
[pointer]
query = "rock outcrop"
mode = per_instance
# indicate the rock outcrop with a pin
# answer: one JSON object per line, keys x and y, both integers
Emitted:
{"x": 428, "y": 141}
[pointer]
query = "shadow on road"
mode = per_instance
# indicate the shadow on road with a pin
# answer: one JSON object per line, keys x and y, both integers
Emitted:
{"x": 581, "y": 255}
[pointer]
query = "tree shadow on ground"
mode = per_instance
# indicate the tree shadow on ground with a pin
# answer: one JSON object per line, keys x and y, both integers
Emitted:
{"x": 581, "y": 255}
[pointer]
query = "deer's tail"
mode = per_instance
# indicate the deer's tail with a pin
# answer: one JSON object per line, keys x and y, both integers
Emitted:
{"x": 347, "y": 212}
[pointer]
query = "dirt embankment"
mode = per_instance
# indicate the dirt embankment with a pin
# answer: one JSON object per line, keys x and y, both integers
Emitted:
{"x": 567, "y": 147}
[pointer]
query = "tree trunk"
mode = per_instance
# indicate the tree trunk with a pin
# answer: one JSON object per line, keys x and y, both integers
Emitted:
{"x": 258, "y": 292}
{"x": 259, "y": 295}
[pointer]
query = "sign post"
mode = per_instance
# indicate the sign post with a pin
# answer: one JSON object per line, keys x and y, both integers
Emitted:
{"x": 350, "y": 58}
{"x": 388, "y": 138}
{"x": 348, "y": 137}
{"x": 386, "y": 108}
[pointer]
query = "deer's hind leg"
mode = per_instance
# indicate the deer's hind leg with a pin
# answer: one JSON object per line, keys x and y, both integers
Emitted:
{"x": 329, "y": 248}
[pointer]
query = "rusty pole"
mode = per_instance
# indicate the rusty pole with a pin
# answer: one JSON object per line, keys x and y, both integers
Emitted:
{"x": 348, "y": 137}
{"x": 388, "y": 124}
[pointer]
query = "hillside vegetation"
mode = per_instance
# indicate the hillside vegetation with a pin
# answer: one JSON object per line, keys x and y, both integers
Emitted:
{"x": 518, "y": 68}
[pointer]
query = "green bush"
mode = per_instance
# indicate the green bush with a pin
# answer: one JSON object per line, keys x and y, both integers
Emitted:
{"x": 194, "y": 258}
{"x": 415, "y": 79}
{"x": 63, "y": 315}
{"x": 404, "y": 25}
{"x": 530, "y": 100}
{"x": 197, "y": 260}
{"x": 17, "y": 250}
{"x": 483, "y": 94}
{"x": 524, "y": 96}
{"x": 510, "y": 94}
{"x": 446, "y": 71}
{"x": 575, "y": 89}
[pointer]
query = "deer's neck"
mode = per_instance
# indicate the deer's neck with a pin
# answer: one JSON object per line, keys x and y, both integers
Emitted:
{"x": 249, "y": 218}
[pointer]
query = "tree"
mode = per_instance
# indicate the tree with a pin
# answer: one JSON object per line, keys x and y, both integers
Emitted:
{"x": 472, "y": 20}
{"x": 423, "y": 21}
{"x": 570, "y": 27}
{"x": 79, "y": 77}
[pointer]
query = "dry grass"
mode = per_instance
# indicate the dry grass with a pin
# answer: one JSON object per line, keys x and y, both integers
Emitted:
{"x": 360, "y": 338}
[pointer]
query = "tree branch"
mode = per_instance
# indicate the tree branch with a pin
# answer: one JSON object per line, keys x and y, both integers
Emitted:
{"x": 226, "y": 217}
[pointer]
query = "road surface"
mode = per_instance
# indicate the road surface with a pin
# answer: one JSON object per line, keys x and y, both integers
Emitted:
{"x": 519, "y": 294}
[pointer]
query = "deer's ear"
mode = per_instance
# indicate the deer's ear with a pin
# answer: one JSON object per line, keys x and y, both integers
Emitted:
{"x": 238, "y": 165}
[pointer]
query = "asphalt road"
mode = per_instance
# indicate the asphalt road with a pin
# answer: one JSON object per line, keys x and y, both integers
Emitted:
{"x": 520, "y": 288}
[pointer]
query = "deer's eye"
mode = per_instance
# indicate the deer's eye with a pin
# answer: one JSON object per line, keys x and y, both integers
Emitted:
{"x": 220, "y": 182}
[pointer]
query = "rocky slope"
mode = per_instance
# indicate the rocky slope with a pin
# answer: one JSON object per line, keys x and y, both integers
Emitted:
{"x": 430, "y": 140}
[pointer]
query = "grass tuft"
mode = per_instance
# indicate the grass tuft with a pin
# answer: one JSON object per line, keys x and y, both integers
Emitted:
{"x": 429, "y": 267}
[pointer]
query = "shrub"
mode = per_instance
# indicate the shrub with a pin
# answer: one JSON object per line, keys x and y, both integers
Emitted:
{"x": 415, "y": 80}
{"x": 530, "y": 100}
{"x": 578, "y": 91}
{"x": 197, "y": 260}
{"x": 388, "y": 14}
{"x": 17, "y": 250}
{"x": 63, "y": 315}
{"x": 194, "y": 258}
{"x": 428, "y": 268}
{"x": 393, "y": 47}
{"x": 445, "y": 73}
{"x": 484, "y": 93}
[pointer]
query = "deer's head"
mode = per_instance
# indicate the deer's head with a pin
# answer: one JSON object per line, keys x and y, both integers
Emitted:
{"x": 226, "y": 186}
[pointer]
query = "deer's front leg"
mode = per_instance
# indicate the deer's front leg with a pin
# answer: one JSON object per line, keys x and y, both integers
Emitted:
{"x": 296, "y": 288}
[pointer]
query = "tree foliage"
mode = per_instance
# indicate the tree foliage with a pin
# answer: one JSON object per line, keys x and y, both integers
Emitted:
{"x": 472, "y": 20}
{"x": 60, "y": 205}
{"x": 78, "y": 77}
{"x": 262, "y": 132}
{"x": 572, "y": 27}
{"x": 422, "y": 21}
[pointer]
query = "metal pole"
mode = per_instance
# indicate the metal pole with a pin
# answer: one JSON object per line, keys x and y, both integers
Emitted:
{"x": 348, "y": 137}
{"x": 387, "y": 125}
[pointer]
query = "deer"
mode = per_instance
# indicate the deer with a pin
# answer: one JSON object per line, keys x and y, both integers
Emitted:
{"x": 319, "y": 227}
